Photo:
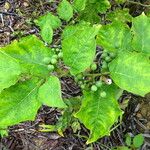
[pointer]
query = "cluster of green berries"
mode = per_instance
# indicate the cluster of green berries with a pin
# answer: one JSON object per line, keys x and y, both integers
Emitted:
{"x": 106, "y": 58}
{"x": 95, "y": 87}
{"x": 52, "y": 61}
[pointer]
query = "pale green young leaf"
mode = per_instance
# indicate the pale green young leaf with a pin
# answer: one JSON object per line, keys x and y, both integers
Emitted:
{"x": 30, "y": 52}
{"x": 9, "y": 70}
{"x": 79, "y": 5}
{"x": 119, "y": 15}
{"x": 47, "y": 33}
{"x": 79, "y": 46}
{"x": 99, "y": 114}
{"x": 50, "y": 93}
{"x": 53, "y": 21}
{"x": 19, "y": 103}
{"x": 65, "y": 10}
{"x": 138, "y": 140}
{"x": 114, "y": 37}
{"x": 141, "y": 34}
{"x": 131, "y": 72}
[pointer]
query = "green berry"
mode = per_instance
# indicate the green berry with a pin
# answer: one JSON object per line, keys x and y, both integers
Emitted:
{"x": 55, "y": 56}
{"x": 50, "y": 67}
{"x": 104, "y": 65}
{"x": 93, "y": 88}
{"x": 80, "y": 82}
{"x": 104, "y": 55}
{"x": 105, "y": 51}
{"x": 93, "y": 66}
{"x": 47, "y": 60}
{"x": 57, "y": 50}
{"x": 79, "y": 76}
{"x": 53, "y": 49}
{"x": 60, "y": 55}
{"x": 108, "y": 59}
{"x": 53, "y": 61}
{"x": 112, "y": 55}
{"x": 103, "y": 94}
{"x": 82, "y": 86}
{"x": 99, "y": 83}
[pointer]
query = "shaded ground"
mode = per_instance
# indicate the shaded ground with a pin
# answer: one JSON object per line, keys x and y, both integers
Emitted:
{"x": 16, "y": 20}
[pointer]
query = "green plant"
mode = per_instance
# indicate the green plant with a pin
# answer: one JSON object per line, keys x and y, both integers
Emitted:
{"x": 132, "y": 143}
{"x": 27, "y": 66}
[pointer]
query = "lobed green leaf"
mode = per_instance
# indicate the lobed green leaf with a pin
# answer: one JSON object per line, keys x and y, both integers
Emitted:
{"x": 79, "y": 46}
{"x": 98, "y": 114}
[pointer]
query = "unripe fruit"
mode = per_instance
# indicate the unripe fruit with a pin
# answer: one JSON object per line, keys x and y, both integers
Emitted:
{"x": 104, "y": 55}
{"x": 60, "y": 55}
{"x": 50, "y": 67}
{"x": 79, "y": 76}
{"x": 53, "y": 61}
{"x": 53, "y": 49}
{"x": 112, "y": 55}
{"x": 47, "y": 60}
{"x": 99, "y": 83}
{"x": 93, "y": 88}
{"x": 104, "y": 65}
{"x": 93, "y": 66}
{"x": 103, "y": 94}
{"x": 55, "y": 56}
{"x": 57, "y": 49}
{"x": 108, "y": 59}
{"x": 82, "y": 86}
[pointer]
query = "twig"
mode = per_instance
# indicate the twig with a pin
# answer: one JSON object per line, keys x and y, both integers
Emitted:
{"x": 137, "y": 3}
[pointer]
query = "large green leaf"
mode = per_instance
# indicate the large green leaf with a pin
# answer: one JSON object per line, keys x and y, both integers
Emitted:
{"x": 79, "y": 5}
{"x": 114, "y": 37}
{"x": 50, "y": 93}
{"x": 19, "y": 103}
{"x": 99, "y": 114}
{"x": 131, "y": 72}
{"x": 9, "y": 70}
{"x": 141, "y": 34}
{"x": 65, "y": 10}
{"x": 79, "y": 46}
{"x": 53, "y": 21}
{"x": 30, "y": 52}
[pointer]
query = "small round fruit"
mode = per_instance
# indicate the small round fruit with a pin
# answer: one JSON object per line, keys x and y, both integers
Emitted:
{"x": 55, "y": 56}
{"x": 108, "y": 59}
{"x": 104, "y": 55}
{"x": 99, "y": 83}
{"x": 112, "y": 55}
{"x": 60, "y": 55}
{"x": 103, "y": 94}
{"x": 104, "y": 65}
{"x": 94, "y": 88}
{"x": 53, "y": 61}
{"x": 57, "y": 50}
{"x": 53, "y": 49}
{"x": 82, "y": 86}
{"x": 80, "y": 82}
{"x": 47, "y": 60}
{"x": 79, "y": 76}
{"x": 93, "y": 66}
{"x": 50, "y": 67}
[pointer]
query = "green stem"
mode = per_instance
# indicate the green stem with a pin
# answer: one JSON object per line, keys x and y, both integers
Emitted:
{"x": 98, "y": 74}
